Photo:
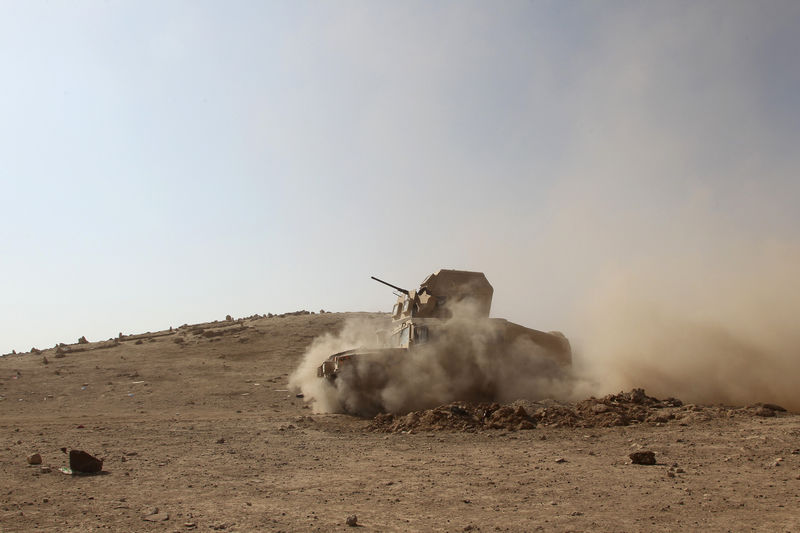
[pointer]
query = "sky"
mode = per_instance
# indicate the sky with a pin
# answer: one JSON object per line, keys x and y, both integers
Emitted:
{"x": 164, "y": 163}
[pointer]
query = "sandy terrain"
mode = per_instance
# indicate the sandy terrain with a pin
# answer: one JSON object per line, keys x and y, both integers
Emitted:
{"x": 199, "y": 433}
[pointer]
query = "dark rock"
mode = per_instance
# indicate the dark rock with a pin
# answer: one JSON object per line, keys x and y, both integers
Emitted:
{"x": 644, "y": 457}
{"x": 764, "y": 411}
{"x": 156, "y": 517}
{"x": 352, "y": 520}
{"x": 80, "y": 461}
{"x": 35, "y": 459}
{"x": 458, "y": 410}
{"x": 83, "y": 340}
{"x": 638, "y": 396}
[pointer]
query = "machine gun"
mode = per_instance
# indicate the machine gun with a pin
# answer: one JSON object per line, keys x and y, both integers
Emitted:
{"x": 395, "y": 287}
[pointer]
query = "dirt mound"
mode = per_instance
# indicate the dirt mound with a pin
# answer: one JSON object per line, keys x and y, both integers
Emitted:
{"x": 457, "y": 416}
{"x": 623, "y": 409}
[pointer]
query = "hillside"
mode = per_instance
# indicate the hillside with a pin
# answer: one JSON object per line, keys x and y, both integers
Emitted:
{"x": 198, "y": 431}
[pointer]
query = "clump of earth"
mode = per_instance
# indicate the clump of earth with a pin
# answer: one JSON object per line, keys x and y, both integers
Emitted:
{"x": 623, "y": 409}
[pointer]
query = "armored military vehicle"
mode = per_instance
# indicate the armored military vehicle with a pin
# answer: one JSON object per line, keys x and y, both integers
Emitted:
{"x": 422, "y": 316}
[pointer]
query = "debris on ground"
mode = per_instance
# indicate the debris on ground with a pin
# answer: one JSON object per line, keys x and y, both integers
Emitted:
{"x": 34, "y": 459}
{"x": 84, "y": 463}
{"x": 352, "y": 520}
{"x": 155, "y": 516}
{"x": 766, "y": 409}
{"x": 643, "y": 457}
{"x": 623, "y": 409}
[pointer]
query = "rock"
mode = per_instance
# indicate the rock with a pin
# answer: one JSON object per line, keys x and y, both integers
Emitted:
{"x": 638, "y": 396}
{"x": 35, "y": 350}
{"x": 764, "y": 411}
{"x": 45, "y": 469}
{"x": 228, "y": 318}
{"x": 59, "y": 352}
{"x": 352, "y": 520}
{"x": 561, "y": 460}
{"x": 83, "y": 340}
{"x": 139, "y": 341}
{"x": 34, "y": 459}
{"x": 644, "y": 457}
{"x": 44, "y": 360}
{"x": 156, "y": 517}
{"x": 80, "y": 461}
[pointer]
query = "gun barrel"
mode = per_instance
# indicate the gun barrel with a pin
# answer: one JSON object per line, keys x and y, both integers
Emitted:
{"x": 395, "y": 287}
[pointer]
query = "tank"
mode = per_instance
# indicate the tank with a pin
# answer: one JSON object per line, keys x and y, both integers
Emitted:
{"x": 423, "y": 315}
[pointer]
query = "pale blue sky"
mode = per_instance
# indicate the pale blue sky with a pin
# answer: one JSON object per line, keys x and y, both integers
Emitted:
{"x": 172, "y": 162}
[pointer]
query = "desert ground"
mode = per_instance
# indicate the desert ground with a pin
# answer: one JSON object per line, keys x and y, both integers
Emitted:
{"x": 199, "y": 431}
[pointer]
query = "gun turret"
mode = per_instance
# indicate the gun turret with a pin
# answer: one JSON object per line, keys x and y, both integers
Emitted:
{"x": 395, "y": 287}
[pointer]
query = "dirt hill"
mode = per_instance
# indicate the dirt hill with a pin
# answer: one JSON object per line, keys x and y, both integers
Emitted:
{"x": 198, "y": 431}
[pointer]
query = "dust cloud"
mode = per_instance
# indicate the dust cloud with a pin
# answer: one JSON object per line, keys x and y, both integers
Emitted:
{"x": 715, "y": 327}
{"x": 706, "y": 325}
{"x": 464, "y": 360}
{"x": 356, "y": 333}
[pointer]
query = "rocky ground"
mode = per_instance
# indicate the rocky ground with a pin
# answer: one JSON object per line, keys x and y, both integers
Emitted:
{"x": 198, "y": 431}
